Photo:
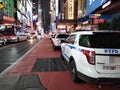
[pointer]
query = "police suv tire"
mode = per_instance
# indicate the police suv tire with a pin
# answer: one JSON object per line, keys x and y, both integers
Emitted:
{"x": 73, "y": 71}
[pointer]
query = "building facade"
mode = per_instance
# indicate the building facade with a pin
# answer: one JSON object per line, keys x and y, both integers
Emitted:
{"x": 16, "y": 12}
{"x": 85, "y": 14}
{"x": 7, "y": 12}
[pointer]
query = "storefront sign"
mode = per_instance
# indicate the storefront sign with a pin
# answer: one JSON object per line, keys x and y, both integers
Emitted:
{"x": 9, "y": 19}
{"x": 98, "y": 21}
{"x": 94, "y": 4}
{"x": 71, "y": 9}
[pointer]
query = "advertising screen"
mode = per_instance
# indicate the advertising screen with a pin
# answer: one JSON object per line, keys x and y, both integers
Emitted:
{"x": 94, "y": 4}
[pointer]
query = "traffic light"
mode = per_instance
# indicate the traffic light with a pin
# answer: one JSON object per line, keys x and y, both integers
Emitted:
{"x": 1, "y": 4}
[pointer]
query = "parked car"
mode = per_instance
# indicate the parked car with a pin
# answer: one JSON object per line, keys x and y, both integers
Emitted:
{"x": 2, "y": 39}
{"x": 13, "y": 33}
{"x": 21, "y": 36}
{"x": 93, "y": 56}
{"x": 58, "y": 39}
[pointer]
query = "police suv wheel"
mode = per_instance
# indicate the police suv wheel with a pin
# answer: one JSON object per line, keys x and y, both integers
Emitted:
{"x": 73, "y": 72}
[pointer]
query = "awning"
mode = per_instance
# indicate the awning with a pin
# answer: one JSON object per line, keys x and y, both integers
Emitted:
{"x": 83, "y": 19}
{"x": 88, "y": 17}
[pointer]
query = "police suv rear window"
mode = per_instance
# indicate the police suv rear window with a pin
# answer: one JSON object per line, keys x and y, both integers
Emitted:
{"x": 101, "y": 40}
{"x": 62, "y": 36}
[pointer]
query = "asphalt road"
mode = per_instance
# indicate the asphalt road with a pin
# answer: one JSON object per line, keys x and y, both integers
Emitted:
{"x": 11, "y": 52}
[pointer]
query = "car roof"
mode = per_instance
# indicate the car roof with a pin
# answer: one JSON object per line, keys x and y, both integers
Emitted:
{"x": 95, "y": 31}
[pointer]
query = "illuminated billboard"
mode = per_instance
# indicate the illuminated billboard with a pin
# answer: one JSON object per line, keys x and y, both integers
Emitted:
{"x": 94, "y": 4}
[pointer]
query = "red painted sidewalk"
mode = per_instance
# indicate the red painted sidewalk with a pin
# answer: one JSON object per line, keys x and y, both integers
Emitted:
{"x": 50, "y": 80}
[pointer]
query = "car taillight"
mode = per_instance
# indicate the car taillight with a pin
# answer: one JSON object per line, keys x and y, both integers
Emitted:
{"x": 90, "y": 55}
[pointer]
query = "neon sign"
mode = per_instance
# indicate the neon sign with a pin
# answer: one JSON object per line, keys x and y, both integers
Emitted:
{"x": 6, "y": 18}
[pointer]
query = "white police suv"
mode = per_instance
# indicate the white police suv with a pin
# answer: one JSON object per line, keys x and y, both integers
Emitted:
{"x": 93, "y": 56}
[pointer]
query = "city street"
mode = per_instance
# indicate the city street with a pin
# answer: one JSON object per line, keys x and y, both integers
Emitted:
{"x": 52, "y": 71}
{"x": 59, "y": 44}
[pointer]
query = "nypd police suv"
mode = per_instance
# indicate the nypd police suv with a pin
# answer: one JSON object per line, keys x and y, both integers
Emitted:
{"x": 93, "y": 56}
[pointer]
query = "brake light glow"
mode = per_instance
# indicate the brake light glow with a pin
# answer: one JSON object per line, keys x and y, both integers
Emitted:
{"x": 10, "y": 37}
{"x": 90, "y": 55}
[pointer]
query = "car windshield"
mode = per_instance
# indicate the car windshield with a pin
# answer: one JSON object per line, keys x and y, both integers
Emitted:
{"x": 101, "y": 40}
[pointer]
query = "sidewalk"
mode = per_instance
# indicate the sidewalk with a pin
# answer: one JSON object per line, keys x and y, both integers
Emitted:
{"x": 27, "y": 75}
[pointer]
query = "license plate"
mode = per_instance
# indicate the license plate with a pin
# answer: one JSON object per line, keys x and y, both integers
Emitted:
{"x": 110, "y": 67}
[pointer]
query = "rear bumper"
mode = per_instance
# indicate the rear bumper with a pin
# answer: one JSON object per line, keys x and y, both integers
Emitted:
{"x": 56, "y": 47}
{"x": 100, "y": 80}
{"x": 11, "y": 40}
{"x": 1, "y": 41}
{"x": 108, "y": 81}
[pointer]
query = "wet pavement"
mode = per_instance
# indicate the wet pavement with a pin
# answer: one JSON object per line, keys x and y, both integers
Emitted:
{"x": 11, "y": 52}
{"x": 21, "y": 82}
{"x": 33, "y": 70}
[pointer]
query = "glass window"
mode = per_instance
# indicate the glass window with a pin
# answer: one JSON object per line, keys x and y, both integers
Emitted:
{"x": 84, "y": 41}
{"x": 71, "y": 39}
{"x": 101, "y": 40}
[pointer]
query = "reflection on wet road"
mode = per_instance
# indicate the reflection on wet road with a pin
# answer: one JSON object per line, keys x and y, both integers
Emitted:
{"x": 12, "y": 52}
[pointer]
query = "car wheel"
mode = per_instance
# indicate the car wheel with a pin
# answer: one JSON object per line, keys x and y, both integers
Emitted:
{"x": 54, "y": 47}
{"x": 4, "y": 43}
{"x": 73, "y": 71}
{"x": 18, "y": 40}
